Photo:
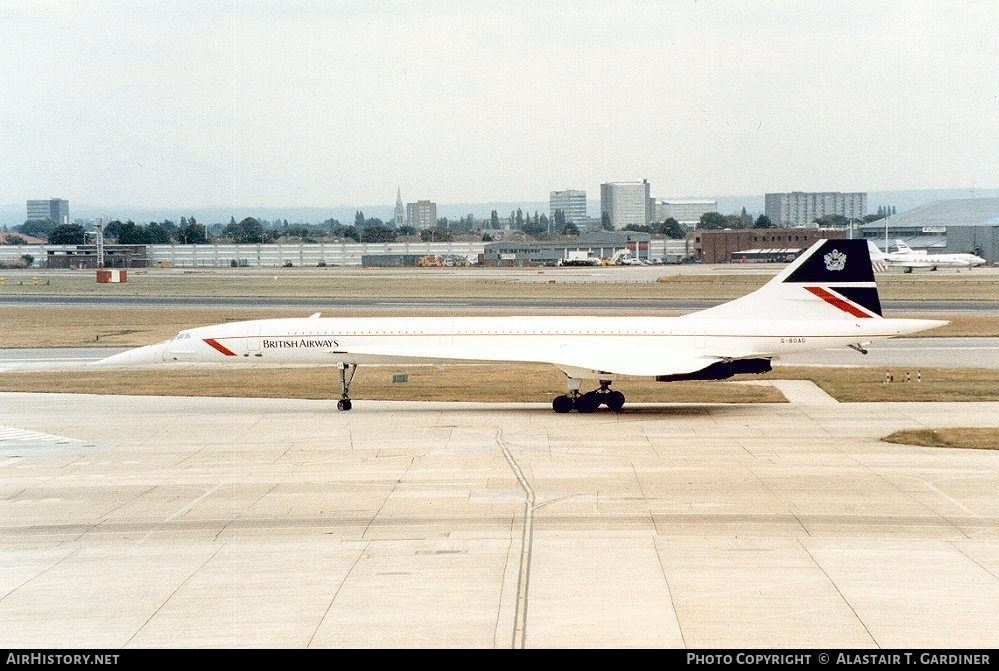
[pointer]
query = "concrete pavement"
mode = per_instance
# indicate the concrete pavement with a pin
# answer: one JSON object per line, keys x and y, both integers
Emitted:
{"x": 148, "y": 522}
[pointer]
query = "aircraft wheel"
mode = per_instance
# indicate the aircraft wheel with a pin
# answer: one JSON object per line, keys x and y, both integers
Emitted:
{"x": 587, "y": 403}
{"x": 615, "y": 401}
{"x": 343, "y": 405}
{"x": 562, "y": 404}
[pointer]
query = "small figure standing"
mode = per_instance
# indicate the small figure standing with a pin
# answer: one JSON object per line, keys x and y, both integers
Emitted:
{"x": 906, "y": 376}
{"x": 887, "y": 376}
{"x": 919, "y": 376}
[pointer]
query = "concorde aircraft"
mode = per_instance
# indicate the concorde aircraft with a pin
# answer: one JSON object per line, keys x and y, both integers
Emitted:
{"x": 911, "y": 259}
{"x": 827, "y": 297}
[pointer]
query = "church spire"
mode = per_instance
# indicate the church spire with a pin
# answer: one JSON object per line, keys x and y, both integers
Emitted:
{"x": 400, "y": 211}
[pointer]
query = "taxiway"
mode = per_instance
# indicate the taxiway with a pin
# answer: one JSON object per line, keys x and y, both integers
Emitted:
{"x": 147, "y": 522}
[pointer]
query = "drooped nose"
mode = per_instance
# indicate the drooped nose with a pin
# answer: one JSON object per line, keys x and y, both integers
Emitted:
{"x": 140, "y": 356}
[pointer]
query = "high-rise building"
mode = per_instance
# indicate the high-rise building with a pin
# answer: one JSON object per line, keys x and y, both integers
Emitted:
{"x": 571, "y": 202}
{"x": 421, "y": 214}
{"x": 400, "y": 211}
{"x": 55, "y": 209}
{"x": 686, "y": 212}
{"x": 799, "y": 208}
{"x": 627, "y": 203}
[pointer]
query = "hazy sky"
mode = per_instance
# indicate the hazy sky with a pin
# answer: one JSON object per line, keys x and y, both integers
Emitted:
{"x": 300, "y": 103}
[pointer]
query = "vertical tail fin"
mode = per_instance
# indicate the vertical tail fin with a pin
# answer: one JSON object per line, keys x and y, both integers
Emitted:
{"x": 832, "y": 279}
{"x": 875, "y": 251}
{"x": 842, "y": 267}
{"x": 879, "y": 260}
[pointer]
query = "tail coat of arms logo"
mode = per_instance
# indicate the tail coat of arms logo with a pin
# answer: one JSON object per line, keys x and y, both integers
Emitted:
{"x": 835, "y": 260}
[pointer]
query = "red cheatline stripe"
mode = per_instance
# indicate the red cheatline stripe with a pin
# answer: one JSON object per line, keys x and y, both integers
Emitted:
{"x": 838, "y": 302}
{"x": 220, "y": 347}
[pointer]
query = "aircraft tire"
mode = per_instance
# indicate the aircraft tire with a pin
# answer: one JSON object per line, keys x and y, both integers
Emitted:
{"x": 343, "y": 405}
{"x": 615, "y": 401}
{"x": 587, "y": 403}
{"x": 562, "y": 404}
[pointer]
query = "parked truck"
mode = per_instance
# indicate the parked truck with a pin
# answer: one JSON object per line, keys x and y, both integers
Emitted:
{"x": 579, "y": 258}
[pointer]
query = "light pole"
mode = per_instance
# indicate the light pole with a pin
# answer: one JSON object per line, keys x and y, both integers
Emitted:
{"x": 99, "y": 228}
{"x": 852, "y": 223}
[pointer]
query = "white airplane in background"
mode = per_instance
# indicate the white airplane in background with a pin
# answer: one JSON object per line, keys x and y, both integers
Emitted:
{"x": 826, "y": 297}
{"x": 912, "y": 259}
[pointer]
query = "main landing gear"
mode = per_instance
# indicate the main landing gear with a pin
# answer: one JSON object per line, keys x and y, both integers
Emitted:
{"x": 590, "y": 401}
{"x": 345, "y": 380}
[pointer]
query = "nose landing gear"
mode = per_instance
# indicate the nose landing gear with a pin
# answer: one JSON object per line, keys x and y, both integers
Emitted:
{"x": 345, "y": 380}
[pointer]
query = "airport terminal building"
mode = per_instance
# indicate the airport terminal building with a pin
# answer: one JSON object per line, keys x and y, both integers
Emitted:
{"x": 967, "y": 225}
{"x": 747, "y": 245}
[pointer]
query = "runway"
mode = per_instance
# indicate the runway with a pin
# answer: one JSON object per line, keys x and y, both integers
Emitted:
{"x": 149, "y": 522}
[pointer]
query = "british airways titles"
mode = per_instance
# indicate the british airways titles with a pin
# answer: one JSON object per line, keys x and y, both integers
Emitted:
{"x": 285, "y": 343}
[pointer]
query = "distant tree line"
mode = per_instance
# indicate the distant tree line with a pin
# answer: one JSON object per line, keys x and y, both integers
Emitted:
{"x": 251, "y": 230}
{"x": 669, "y": 228}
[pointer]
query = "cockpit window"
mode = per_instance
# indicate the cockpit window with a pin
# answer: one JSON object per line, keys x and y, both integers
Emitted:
{"x": 183, "y": 335}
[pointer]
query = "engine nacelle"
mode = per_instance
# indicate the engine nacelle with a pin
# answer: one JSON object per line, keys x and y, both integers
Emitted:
{"x": 721, "y": 370}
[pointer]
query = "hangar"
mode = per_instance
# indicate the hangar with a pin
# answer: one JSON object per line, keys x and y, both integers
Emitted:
{"x": 602, "y": 245}
{"x": 943, "y": 227}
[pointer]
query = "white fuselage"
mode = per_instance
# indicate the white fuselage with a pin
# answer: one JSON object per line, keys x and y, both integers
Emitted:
{"x": 924, "y": 260}
{"x": 586, "y": 347}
